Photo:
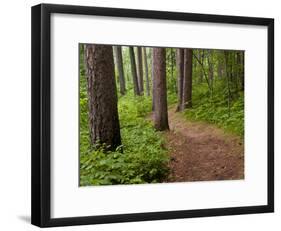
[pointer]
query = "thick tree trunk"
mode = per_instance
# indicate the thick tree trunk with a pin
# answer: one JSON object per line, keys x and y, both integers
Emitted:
{"x": 140, "y": 69}
{"x": 187, "y": 80}
{"x": 102, "y": 97}
{"x": 134, "y": 71}
{"x": 160, "y": 91}
{"x": 180, "y": 68}
{"x": 146, "y": 72}
{"x": 119, "y": 62}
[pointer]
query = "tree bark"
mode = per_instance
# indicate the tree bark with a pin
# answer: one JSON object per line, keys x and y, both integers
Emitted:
{"x": 140, "y": 69}
{"x": 134, "y": 71}
{"x": 180, "y": 68}
{"x": 160, "y": 91}
{"x": 146, "y": 72}
{"x": 102, "y": 97}
{"x": 119, "y": 62}
{"x": 187, "y": 80}
{"x": 152, "y": 79}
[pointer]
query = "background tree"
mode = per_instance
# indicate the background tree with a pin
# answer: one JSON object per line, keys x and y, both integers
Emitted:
{"x": 180, "y": 65}
{"x": 152, "y": 79}
{"x": 160, "y": 91}
{"x": 140, "y": 69}
{"x": 119, "y": 62}
{"x": 134, "y": 71}
{"x": 146, "y": 72}
{"x": 187, "y": 80}
{"x": 102, "y": 97}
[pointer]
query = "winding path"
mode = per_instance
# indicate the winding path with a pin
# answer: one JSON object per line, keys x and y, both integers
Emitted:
{"x": 202, "y": 152}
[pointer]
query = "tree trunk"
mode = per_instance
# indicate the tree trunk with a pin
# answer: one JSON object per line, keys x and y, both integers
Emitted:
{"x": 119, "y": 62}
{"x": 187, "y": 80}
{"x": 211, "y": 69}
{"x": 140, "y": 69}
{"x": 160, "y": 91}
{"x": 180, "y": 68}
{"x": 152, "y": 79}
{"x": 202, "y": 57}
{"x": 146, "y": 72}
{"x": 226, "y": 55}
{"x": 134, "y": 71}
{"x": 240, "y": 61}
{"x": 102, "y": 97}
{"x": 220, "y": 66}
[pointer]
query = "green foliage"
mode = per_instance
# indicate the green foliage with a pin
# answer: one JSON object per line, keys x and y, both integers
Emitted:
{"x": 214, "y": 109}
{"x": 144, "y": 159}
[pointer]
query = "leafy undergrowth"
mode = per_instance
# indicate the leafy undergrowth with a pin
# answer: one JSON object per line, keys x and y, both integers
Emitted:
{"x": 215, "y": 109}
{"x": 144, "y": 159}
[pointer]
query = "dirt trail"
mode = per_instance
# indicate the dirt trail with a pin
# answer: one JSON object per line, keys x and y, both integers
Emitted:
{"x": 201, "y": 152}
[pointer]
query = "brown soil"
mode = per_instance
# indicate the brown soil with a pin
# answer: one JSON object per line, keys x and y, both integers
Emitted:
{"x": 202, "y": 152}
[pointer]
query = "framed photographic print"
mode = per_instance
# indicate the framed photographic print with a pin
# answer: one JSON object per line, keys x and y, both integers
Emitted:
{"x": 144, "y": 115}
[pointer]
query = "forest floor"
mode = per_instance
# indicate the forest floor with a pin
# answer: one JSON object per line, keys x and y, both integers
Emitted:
{"x": 202, "y": 152}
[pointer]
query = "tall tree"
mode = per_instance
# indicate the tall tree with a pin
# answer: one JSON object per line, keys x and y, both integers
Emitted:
{"x": 160, "y": 90}
{"x": 152, "y": 79}
{"x": 119, "y": 62}
{"x": 134, "y": 71}
{"x": 227, "y": 69}
{"x": 146, "y": 72}
{"x": 140, "y": 69}
{"x": 187, "y": 80}
{"x": 210, "y": 61}
{"x": 102, "y": 97}
{"x": 220, "y": 66}
{"x": 240, "y": 63}
{"x": 180, "y": 65}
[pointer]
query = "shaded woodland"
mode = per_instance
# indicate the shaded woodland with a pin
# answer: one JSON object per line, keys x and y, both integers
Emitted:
{"x": 150, "y": 115}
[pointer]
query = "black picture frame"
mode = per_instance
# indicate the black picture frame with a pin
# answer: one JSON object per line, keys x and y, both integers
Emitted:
{"x": 41, "y": 109}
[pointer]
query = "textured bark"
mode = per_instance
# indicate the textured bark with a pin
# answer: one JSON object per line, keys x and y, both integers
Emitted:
{"x": 119, "y": 62}
{"x": 160, "y": 91}
{"x": 146, "y": 72}
{"x": 140, "y": 69}
{"x": 180, "y": 68}
{"x": 187, "y": 80}
{"x": 102, "y": 97}
{"x": 134, "y": 71}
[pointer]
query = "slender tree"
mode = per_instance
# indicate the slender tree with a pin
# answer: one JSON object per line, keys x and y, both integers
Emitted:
{"x": 187, "y": 80}
{"x": 119, "y": 62}
{"x": 227, "y": 65}
{"x": 102, "y": 97}
{"x": 134, "y": 71}
{"x": 240, "y": 63}
{"x": 220, "y": 66}
{"x": 146, "y": 72}
{"x": 152, "y": 79}
{"x": 180, "y": 65}
{"x": 210, "y": 61}
{"x": 140, "y": 69}
{"x": 160, "y": 91}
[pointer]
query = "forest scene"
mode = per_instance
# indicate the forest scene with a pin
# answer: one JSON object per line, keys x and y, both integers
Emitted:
{"x": 160, "y": 115}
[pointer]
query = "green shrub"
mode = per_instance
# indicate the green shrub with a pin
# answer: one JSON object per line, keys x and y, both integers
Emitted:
{"x": 214, "y": 109}
{"x": 144, "y": 159}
